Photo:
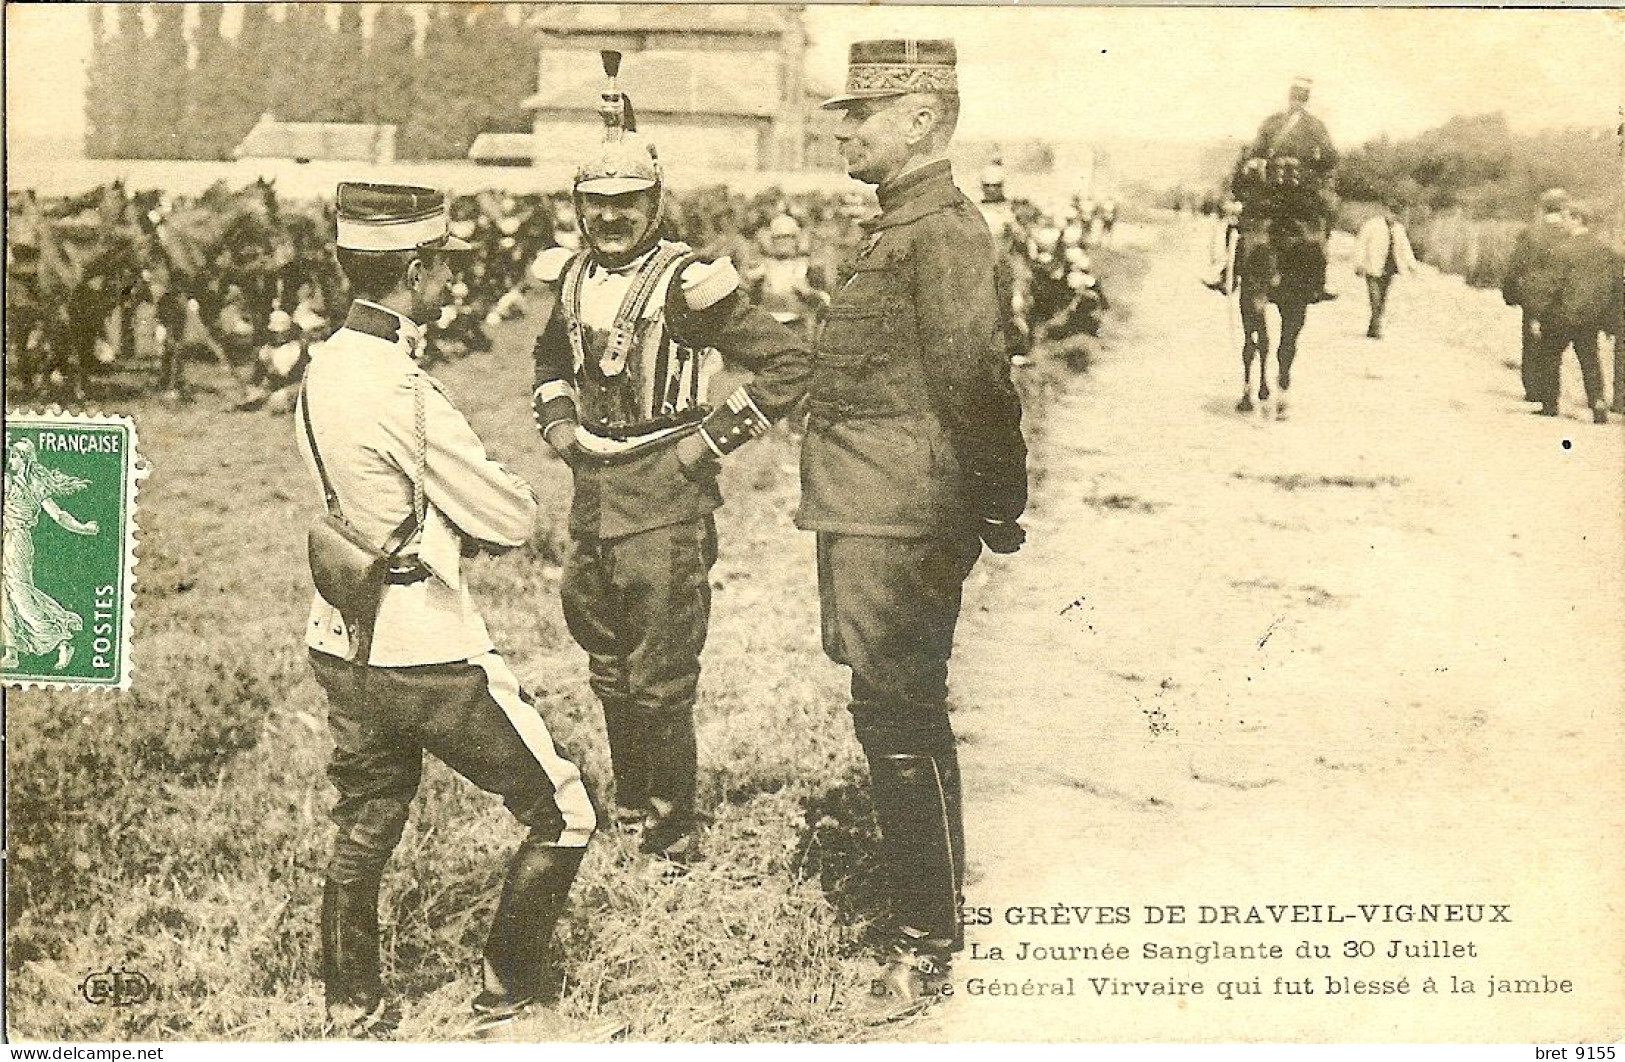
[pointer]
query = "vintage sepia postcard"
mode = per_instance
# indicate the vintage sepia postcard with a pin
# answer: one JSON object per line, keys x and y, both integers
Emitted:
{"x": 814, "y": 523}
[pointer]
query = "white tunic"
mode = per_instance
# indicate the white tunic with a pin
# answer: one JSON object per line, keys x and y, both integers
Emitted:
{"x": 360, "y": 388}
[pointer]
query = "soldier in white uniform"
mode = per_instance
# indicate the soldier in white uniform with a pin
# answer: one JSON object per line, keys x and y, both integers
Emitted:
{"x": 404, "y": 466}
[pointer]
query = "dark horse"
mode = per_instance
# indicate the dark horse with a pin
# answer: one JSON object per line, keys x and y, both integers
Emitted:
{"x": 1276, "y": 262}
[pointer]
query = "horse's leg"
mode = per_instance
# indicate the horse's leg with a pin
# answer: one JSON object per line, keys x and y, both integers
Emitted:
{"x": 1248, "y": 345}
{"x": 1292, "y": 321}
{"x": 170, "y": 326}
{"x": 1263, "y": 351}
{"x": 194, "y": 318}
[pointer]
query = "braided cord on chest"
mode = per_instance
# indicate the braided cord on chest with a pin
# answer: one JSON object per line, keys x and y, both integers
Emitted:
{"x": 420, "y": 430}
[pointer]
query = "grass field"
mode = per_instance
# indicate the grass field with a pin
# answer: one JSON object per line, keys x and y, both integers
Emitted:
{"x": 180, "y": 829}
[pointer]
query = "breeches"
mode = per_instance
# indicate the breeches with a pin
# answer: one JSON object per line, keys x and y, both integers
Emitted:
{"x": 471, "y": 716}
{"x": 640, "y": 606}
{"x": 889, "y": 609}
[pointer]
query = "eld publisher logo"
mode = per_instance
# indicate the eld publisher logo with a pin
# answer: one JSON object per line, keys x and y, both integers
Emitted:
{"x": 116, "y": 988}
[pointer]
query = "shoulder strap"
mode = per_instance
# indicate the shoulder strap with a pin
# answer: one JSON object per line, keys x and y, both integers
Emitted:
{"x": 1280, "y": 133}
{"x": 649, "y": 277}
{"x": 569, "y": 303}
{"x": 408, "y": 527}
{"x": 331, "y": 497}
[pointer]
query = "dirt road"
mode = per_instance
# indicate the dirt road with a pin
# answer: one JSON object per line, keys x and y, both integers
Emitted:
{"x": 1372, "y": 654}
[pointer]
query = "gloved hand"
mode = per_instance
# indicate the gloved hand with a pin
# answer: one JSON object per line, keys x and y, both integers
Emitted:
{"x": 1002, "y": 536}
{"x": 562, "y": 438}
{"x": 474, "y": 547}
{"x": 696, "y": 459}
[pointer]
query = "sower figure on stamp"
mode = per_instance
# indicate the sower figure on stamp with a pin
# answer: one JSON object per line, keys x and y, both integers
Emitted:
{"x": 913, "y": 458}
{"x": 400, "y": 463}
{"x": 622, "y": 371}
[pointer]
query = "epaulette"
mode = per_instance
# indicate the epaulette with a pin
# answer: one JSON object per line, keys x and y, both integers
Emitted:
{"x": 707, "y": 283}
{"x": 549, "y": 265}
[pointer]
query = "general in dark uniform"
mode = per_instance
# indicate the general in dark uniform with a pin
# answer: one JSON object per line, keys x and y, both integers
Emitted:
{"x": 623, "y": 372}
{"x": 913, "y": 458}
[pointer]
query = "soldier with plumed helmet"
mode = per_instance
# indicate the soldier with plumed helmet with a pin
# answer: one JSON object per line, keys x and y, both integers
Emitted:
{"x": 623, "y": 372}
{"x": 913, "y": 458}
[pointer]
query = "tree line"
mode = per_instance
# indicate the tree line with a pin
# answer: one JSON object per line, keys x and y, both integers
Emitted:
{"x": 159, "y": 88}
{"x": 1480, "y": 166}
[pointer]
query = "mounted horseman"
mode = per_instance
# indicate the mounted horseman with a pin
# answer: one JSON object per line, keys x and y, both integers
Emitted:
{"x": 1284, "y": 182}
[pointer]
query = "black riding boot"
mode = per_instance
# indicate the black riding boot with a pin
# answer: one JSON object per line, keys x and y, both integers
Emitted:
{"x": 516, "y": 951}
{"x": 355, "y": 1003}
{"x": 953, "y": 802}
{"x": 673, "y": 775}
{"x": 918, "y": 849}
{"x": 629, "y": 760}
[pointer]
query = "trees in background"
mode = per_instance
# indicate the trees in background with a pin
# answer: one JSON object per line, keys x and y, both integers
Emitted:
{"x": 1465, "y": 187}
{"x": 167, "y": 81}
{"x": 1479, "y": 165}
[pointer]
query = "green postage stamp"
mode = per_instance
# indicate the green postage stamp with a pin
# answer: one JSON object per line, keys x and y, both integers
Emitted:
{"x": 69, "y": 549}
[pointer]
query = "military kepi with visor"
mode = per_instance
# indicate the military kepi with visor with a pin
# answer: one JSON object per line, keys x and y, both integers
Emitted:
{"x": 622, "y": 393}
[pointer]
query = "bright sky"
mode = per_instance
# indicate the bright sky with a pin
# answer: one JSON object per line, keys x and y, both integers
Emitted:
{"x": 1157, "y": 73}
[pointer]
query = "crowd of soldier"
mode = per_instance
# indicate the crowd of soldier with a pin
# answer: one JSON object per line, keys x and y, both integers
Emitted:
{"x": 255, "y": 288}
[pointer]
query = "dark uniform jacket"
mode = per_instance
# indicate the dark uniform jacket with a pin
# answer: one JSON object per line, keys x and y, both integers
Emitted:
{"x": 618, "y": 496}
{"x": 1304, "y": 138}
{"x": 1534, "y": 276}
{"x": 1287, "y": 174}
{"x": 1589, "y": 299}
{"x": 914, "y": 427}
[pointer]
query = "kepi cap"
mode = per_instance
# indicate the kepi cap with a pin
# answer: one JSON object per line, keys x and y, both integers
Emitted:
{"x": 394, "y": 217}
{"x": 884, "y": 68}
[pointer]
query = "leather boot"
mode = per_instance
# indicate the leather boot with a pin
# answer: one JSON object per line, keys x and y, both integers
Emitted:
{"x": 628, "y": 755}
{"x": 516, "y": 951}
{"x": 673, "y": 770}
{"x": 355, "y": 1004}
{"x": 918, "y": 846}
{"x": 911, "y": 981}
{"x": 954, "y": 803}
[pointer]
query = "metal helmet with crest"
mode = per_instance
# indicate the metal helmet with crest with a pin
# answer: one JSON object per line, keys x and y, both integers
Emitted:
{"x": 625, "y": 162}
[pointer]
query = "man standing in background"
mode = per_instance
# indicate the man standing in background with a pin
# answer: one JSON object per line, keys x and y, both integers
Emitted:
{"x": 1533, "y": 282}
{"x": 1588, "y": 302}
{"x": 1382, "y": 252}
